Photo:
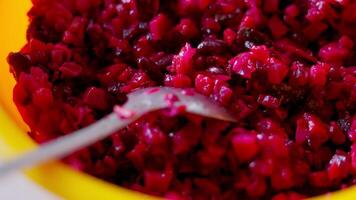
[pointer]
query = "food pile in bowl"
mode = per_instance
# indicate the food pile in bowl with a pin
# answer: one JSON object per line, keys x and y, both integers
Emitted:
{"x": 286, "y": 70}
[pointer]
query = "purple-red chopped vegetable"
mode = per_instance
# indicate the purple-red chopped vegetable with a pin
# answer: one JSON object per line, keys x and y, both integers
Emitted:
{"x": 286, "y": 70}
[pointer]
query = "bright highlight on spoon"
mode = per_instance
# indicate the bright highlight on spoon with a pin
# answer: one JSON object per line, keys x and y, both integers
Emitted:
{"x": 139, "y": 103}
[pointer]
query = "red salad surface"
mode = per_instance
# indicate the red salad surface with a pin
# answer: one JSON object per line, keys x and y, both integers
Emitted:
{"x": 286, "y": 70}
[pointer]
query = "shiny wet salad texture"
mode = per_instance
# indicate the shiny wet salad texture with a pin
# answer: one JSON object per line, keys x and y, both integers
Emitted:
{"x": 286, "y": 70}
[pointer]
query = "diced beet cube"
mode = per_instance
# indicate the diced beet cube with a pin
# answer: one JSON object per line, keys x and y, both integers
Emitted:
{"x": 319, "y": 179}
{"x": 277, "y": 27}
{"x": 183, "y": 62}
{"x": 229, "y": 36}
{"x": 277, "y": 71}
{"x": 157, "y": 181}
{"x": 70, "y": 70}
{"x": 243, "y": 65}
{"x": 339, "y": 166}
{"x": 318, "y": 74}
{"x": 188, "y": 28}
{"x": 43, "y": 98}
{"x": 96, "y": 98}
{"x": 204, "y": 84}
{"x": 159, "y": 26}
{"x": 312, "y": 130}
{"x": 245, "y": 146}
{"x": 268, "y": 101}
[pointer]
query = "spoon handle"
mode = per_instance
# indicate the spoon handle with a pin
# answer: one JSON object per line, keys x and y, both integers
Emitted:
{"x": 139, "y": 103}
{"x": 66, "y": 144}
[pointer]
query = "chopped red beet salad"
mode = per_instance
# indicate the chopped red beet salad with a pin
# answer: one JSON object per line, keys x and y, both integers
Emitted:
{"x": 285, "y": 69}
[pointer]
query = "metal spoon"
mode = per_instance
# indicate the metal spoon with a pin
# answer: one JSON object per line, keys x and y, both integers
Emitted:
{"x": 139, "y": 103}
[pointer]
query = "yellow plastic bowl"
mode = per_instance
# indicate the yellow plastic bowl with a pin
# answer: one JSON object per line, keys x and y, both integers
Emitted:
{"x": 54, "y": 176}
